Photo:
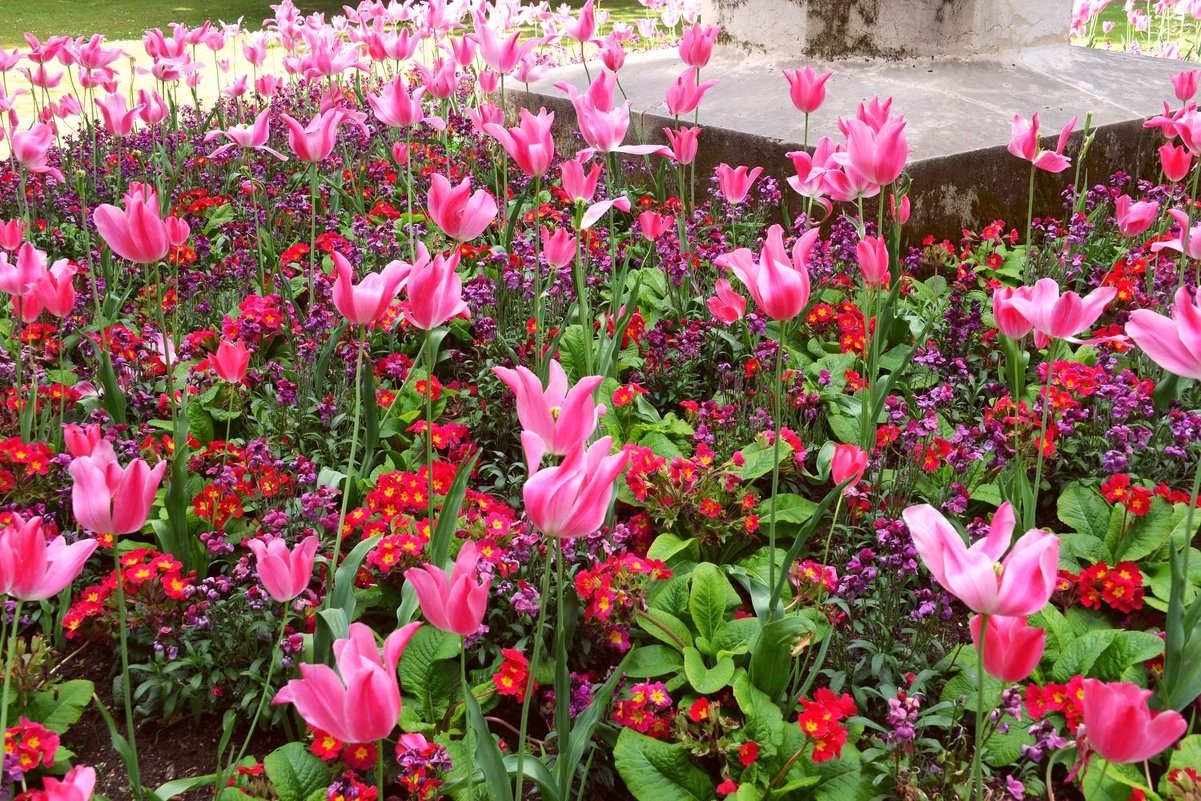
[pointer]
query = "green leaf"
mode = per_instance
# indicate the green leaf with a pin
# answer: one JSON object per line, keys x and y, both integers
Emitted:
{"x": 790, "y": 508}
{"x": 448, "y": 517}
{"x": 771, "y": 653}
{"x": 1084, "y": 510}
{"x": 711, "y": 595}
{"x": 668, "y": 548}
{"x": 1105, "y": 654}
{"x": 763, "y": 719}
{"x": 758, "y": 456}
{"x": 487, "y": 753}
{"x": 649, "y": 661}
{"x": 706, "y": 680}
{"x": 61, "y": 707}
{"x": 426, "y": 672}
{"x": 659, "y": 771}
{"x": 295, "y": 772}
{"x": 1146, "y": 534}
{"x": 665, "y": 627}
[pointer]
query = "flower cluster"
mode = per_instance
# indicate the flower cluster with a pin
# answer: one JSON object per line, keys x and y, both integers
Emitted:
{"x": 647, "y": 709}
{"x": 820, "y": 722}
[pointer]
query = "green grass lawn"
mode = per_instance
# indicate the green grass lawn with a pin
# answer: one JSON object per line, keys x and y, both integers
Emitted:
{"x": 127, "y": 19}
{"x": 1164, "y": 29}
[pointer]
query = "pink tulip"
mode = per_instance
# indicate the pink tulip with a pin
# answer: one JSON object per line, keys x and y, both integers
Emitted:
{"x": 654, "y": 225}
{"x": 488, "y": 81}
{"x": 1025, "y": 144}
{"x": 780, "y": 286}
{"x": 395, "y": 107}
{"x": 154, "y": 108}
{"x": 313, "y": 143}
{"x": 136, "y": 233}
{"x": 1121, "y": 727}
{"x": 872, "y": 253}
{"x": 554, "y": 420}
{"x": 1019, "y": 584}
{"x": 54, "y": 288}
{"x": 20, "y": 280}
{"x": 32, "y": 149}
{"x": 463, "y": 215}
{"x": 1176, "y": 162}
{"x": 735, "y": 182}
{"x": 251, "y": 137}
{"x": 77, "y": 785}
{"x": 687, "y": 92}
{"x": 487, "y": 114}
{"x": 877, "y": 155}
{"x": 1187, "y": 242}
{"x": 602, "y": 125}
{"x": 577, "y": 184}
{"x": 572, "y": 499}
{"x": 365, "y": 303}
{"x": 849, "y": 462}
{"x": 499, "y": 52}
{"x": 727, "y": 306}
{"x": 118, "y": 117}
{"x": 230, "y": 361}
{"x": 696, "y": 45}
{"x": 1174, "y": 343}
{"x": 900, "y": 212}
{"x": 285, "y": 572}
{"x": 558, "y": 249}
{"x": 360, "y": 702}
{"x": 33, "y": 569}
{"x": 1185, "y": 85}
{"x": 1135, "y": 218}
{"x": 455, "y": 604}
{"x": 612, "y": 53}
{"x": 807, "y": 89}
{"x": 530, "y": 143}
{"x": 683, "y": 143}
{"x": 1011, "y": 322}
{"x": 1056, "y": 316}
{"x": 1012, "y": 649}
{"x": 442, "y": 81}
{"x": 81, "y": 441}
{"x": 109, "y": 499}
{"x": 596, "y": 211}
{"x": 434, "y": 290}
{"x": 584, "y": 28}
{"x": 12, "y": 233}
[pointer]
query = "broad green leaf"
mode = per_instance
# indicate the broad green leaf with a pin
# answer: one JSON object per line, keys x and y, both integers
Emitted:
{"x": 659, "y": 771}
{"x": 711, "y": 595}
{"x": 706, "y": 680}
{"x": 1084, "y": 510}
{"x": 649, "y": 661}
{"x": 295, "y": 772}
{"x": 61, "y": 707}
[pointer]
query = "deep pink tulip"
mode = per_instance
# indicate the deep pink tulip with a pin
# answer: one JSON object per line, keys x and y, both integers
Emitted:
{"x": 612, "y": 53}
{"x": 583, "y": 28}
{"x": 1057, "y": 316}
{"x": 1010, "y": 321}
{"x": 435, "y": 291}
{"x": 12, "y": 233}
{"x": 1012, "y": 649}
{"x": 1187, "y": 242}
{"x": 530, "y": 143}
{"x": 395, "y": 107}
{"x": 33, "y": 569}
{"x": 558, "y": 249}
{"x": 696, "y": 45}
{"x": 77, "y": 785}
{"x": 779, "y": 285}
{"x": 366, "y": 302}
{"x": 572, "y": 498}
{"x": 653, "y": 225}
{"x": 459, "y": 212}
{"x": 1121, "y": 727}
{"x": 230, "y": 361}
{"x": 877, "y": 155}
{"x": 988, "y": 580}
{"x": 1174, "y": 343}
{"x": 457, "y": 603}
{"x": 596, "y": 211}
{"x": 849, "y": 462}
{"x": 872, "y": 252}
{"x": 807, "y": 89}
{"x": 20, "y": 280}
{"x": 500, "y": 52}
{"x": 683, "y": 143}
{"x": 735, "y": 182}
{"x": 488, "y": 81}
{"x": 250, "y": 137}
{"x": 81, "y": 440}
{"x": 577, "y": 184}
{"x": 137, "y": 232}
{"x": 118, "y": 117}
{"x": 487, "y": 114}
{"x": 603, "y": 125}
{"x": 1176, "y": 161}
{"x": 727, "y": 306}
{"x": 1024, "y": 143}
{"x": 360, "y": 702}
{"x": 442, "y": 81}
{"x": 900, "y": 212}
{"x": 54, "y": 289}
{"x": 555, "y": 419}
{"x": 31, "y": 148}
{"x": 178, "y": 232}
{"x": 686, "y": 94}
{"x": 154, "y": 108}
{"x": 109, "y": 499}
{"x": 285, "y": 572}
{"x": 314, "y": 142}
{"x": 1184, "y": 84}
{"x": 1135, "y": 218}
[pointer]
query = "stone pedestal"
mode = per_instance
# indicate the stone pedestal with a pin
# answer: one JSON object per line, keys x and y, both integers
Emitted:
{"x": 890, "y": 29}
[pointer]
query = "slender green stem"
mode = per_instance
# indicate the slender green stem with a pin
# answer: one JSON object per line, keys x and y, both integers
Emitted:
{"x": 254, "y": 722}
{"x": 1030, "y": 222}
{"x": 562, "y": 697}
{"x": 1188, "y": 519}
{"x": 9, "y": 653}
{"x": 1028, "y": 516}
{"x": 351, "y": 473}
{"x": 135, "y": 774}
{"x": 821, "y": 584}
{"x": 777, "y": 392}
{"x": 977, "y": 772}
{"x": 539, "y": 335}
{"x": 535, "y": 661}
{"x": 379, "y": 768}
{"x": 581, "y": 294}
{"x": 312, "y": 232}
{"x": 429, "y": 426}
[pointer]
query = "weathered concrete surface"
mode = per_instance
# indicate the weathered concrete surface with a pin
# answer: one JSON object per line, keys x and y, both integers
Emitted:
{"x": 834, "y": 29}
{"x": 959, "y": 118}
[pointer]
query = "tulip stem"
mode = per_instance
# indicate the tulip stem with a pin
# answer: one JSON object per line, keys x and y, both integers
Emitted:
{"x": 131, "y": 766}
{"x": 8, "y": 663}
{"x": 534, "y": 663}
{"x": 350, "y": 468}
{"x": 313, "y": 234}
{"x": 254, "y": 722}
{"x": 777, "y": 392}
{"x": 429, "y": 428}
{"x": 1029, "y": 515}
{"x": 1030, "y": 222}
{"x": 977, "y": 772}
{"x": 538, "y": 333}
{"x": 379, "y": 768}
{"x": 821, "y": 584}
